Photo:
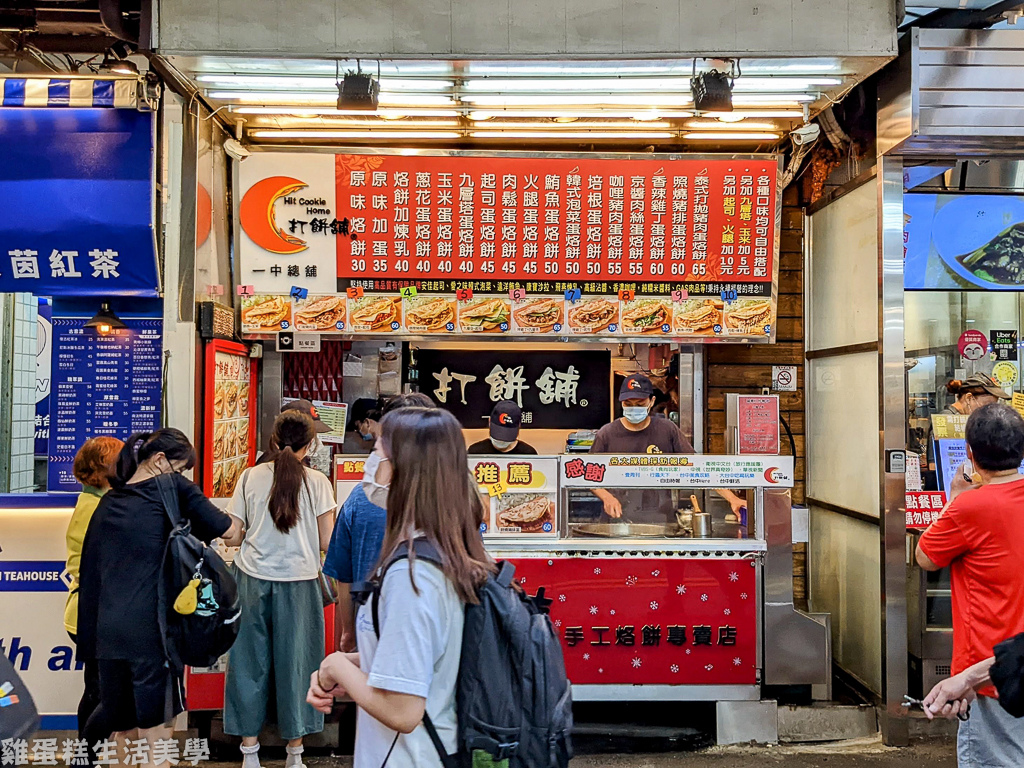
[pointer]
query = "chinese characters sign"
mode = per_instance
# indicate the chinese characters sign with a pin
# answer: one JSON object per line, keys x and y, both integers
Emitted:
{"x": 556, "y": 390}
{"x": 757, "y": 427}
{"x": 671, "y": 621}
{"x": 77, "y": 219}
{"x": 924, "y": 508}
{"x": 650, "y": 471}
{"x": 694, "y": 241}
{"x": 102, "y": 385}
{"x": 521, "y": 493}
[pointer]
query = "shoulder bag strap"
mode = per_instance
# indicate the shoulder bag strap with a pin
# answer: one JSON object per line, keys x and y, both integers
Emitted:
{"x": 169, "y": 497}
{"x": 448, "y": 761}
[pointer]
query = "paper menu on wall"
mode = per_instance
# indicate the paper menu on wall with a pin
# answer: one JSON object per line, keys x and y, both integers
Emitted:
{"x": 913, "y": 476}
{"x": 332, "y": 415}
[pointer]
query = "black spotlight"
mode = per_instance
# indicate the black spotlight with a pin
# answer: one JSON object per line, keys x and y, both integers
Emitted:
{"x": 105, "y": 321}
{"x": 359, "y": 90}
{"x": 712, "y": 90}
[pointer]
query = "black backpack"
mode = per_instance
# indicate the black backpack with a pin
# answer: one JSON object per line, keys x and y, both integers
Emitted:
{"x": 513, "y": 699}
{"x": 201, "y": 637}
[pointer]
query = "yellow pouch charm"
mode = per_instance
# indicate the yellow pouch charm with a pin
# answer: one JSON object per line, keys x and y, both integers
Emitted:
{"x": 188, "y": 599}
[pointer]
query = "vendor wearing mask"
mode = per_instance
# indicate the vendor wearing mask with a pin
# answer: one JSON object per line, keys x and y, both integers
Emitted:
{"x": 506, "y": 419}
{"x": 972, "y": 393}
{"x": 638, "y": 431}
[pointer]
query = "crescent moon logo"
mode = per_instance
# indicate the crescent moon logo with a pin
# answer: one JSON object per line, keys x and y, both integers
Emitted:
{"x": 769, "y": 474}
{"x": 256, "y": 213}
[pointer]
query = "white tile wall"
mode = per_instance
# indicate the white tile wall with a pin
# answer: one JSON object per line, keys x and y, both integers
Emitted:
{"x": 23, "y": 393}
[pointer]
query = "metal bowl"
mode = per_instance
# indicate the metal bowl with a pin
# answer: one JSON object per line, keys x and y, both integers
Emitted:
{"x": 628, "y": 530}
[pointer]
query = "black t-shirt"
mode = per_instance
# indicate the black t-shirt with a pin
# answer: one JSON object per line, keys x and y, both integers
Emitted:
{"x": 121, "y": 565}
{"x": 486, "y": 447}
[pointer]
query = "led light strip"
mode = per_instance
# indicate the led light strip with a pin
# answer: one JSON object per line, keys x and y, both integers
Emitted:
{"x": 554, "y": 135}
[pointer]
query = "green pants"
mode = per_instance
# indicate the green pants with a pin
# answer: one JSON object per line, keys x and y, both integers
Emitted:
{"x": 280, "y": 645}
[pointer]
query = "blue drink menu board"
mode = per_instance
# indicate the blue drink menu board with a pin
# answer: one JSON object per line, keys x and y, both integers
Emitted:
{"x": 101, "y": 385}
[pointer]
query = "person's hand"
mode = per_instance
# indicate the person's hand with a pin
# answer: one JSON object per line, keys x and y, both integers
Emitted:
{"x": 736, "y": 504}
{"x": 347, "y": 642}
{"x": 960, "y": 483}
{"x": 317, "y": 697}
{"x": 949, "y": 698}
{"x": 612, "y": 506}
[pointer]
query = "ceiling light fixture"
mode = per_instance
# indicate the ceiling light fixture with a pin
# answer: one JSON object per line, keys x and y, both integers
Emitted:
{"x": 575, "y": 125}
{"x": 325, "y": 84}
{"x": 555, "y": 112}
{"x": 386, "y": 114}
{"x": 586, "y": 100}
{"x": 370, "y": 134}
{"x": 118, "y": 66}
{"x": 720, "y": 136}
{"x": 742, "y": 125}
{"x": 558, "y": 135}
{"x": 105, "y": 321}
{"x": 326, "y": 99}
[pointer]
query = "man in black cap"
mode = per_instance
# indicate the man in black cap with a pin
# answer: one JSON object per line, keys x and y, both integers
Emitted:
{"x": 506, "y": 418}
{"x": 296, "y": 405}
{"x": 638, "y": 431}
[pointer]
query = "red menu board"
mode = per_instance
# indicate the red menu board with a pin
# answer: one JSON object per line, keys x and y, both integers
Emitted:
{"x": 516, "y": 218}
{"x": 923, "y": 508}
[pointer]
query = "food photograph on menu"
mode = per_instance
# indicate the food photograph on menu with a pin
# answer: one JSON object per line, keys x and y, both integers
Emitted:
{"x": 593, "y": 316}
{"x": 376, "y": 313}
{"x": 699, "y": 317}
{"x": 485, "y": 315}
{"x": 320, "y": 314}
{"x": 645, "y": 315}
{"x": 430, "y": 314}
{"x": 266, "y": 314}
{"x": 524, "y": 512}
{"x": 539, "y": 315}
{"x": 231, "y": 430}
{"x": 749, "y": 317}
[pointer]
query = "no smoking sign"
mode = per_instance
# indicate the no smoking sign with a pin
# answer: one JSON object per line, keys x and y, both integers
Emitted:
{"x": 784, "y": 378}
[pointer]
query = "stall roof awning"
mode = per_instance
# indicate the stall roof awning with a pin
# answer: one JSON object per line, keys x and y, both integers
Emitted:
{"x": 482, "y": 103}
{"x": 68, "y": 91}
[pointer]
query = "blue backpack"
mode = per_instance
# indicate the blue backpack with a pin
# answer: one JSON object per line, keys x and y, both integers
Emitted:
{"x": 513, "y": 699}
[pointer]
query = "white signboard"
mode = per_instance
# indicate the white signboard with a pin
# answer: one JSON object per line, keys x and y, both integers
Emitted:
{"x": 653, "y": 470}
{"x": 784, "y": 378}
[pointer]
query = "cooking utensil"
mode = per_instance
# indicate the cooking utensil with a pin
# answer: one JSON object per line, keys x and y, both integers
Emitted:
{"x": 701, "y": 522}
{"x": 628, "y": 530}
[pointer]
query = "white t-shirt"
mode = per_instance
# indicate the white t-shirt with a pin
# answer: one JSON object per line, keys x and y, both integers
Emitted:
{"x": 267, "y": 553}
{"x": 418, "y": 653}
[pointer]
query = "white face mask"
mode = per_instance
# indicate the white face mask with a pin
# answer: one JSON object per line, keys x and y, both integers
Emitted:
{"x": 377, "y": 493}
{"x": 502, "y": 445}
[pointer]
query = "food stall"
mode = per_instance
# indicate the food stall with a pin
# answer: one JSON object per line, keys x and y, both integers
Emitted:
{"x": 476, "y": 277}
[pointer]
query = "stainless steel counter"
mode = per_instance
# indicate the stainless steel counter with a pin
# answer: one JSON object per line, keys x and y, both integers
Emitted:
{"x": 596, "y": 547}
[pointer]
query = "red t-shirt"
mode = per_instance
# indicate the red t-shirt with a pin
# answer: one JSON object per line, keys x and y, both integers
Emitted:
{"x": 980, "y": 536}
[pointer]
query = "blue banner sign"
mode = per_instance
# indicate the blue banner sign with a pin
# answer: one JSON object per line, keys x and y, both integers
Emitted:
{"x": 76, "y": 203}
{"x": 33, "y": 576}
{"x": 101, "y": 385}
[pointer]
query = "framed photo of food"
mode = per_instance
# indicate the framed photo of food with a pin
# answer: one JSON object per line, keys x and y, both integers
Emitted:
{"x": 228, "y": 418}
{"x": 521, "y": 494}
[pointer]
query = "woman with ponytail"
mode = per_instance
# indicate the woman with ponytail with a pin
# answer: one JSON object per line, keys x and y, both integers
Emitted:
{"x": 121, "y": 566}
{"x": 288, "y": 512}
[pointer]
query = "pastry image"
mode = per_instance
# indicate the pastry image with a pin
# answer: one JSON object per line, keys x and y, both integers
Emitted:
{"x": 749, "y": 316}
{"x": 265, "y": 313}
{"x": 698, "y": 316}
{"x": 218, "y": 479}
{"x": 484, "y": 315}
{"x": 430, "y": 314}
{"x": 322, "y": 313}
{"x": 242, "y": 437}
{"x": 646, "y": 316}
{"x": 374, "y": 313}
{"x": 593, "y": 316}
{"x": 232, "y": 470}
{"x": 230, "y": 399}
{"x": 243, "y": 400}
{"x": 219, "y": 435}
{"x": 539, "y": 315}
{"x": 218, "y": 401}
{"x": 527, "y": 515}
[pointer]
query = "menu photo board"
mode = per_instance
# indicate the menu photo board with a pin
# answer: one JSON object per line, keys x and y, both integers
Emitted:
{"x": 566, "y": 246}
{"x": 230, "y": 423}
{"x": 521, "y": 494}
{"x": 101, "y": 385}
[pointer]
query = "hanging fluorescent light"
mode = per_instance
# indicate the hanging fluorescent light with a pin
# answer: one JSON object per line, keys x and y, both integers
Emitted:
{"x": 592, "y": 100}
{"x": 371, "y": 134}
{"x": 572, "y": 126}
{"x": 105, "y": 321}
{"x": 282, "y": 98}
{"x": 302, "y": 83}
{"x": 556, "y": 134}
{"x": 738, "y": 136}
{"x": 637, "y": 84}
{"x": 386, "y": 114}
{"x": 737, "y": 116}
{"x": 742, "y": 125}
{"x": 555, "y": 112}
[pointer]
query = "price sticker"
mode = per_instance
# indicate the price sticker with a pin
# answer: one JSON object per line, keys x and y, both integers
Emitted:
{"x": 409, "y": 292}
{"x": 729, "y": 295}
{"x": 215, "y": 290}
{"x": 678, "y": 296}
{"x": 517, "y": 294}
{"x": 627, "y": 294}
{"x": 245, "y": 290}
{"x": 464, "y": 294}
{"x": 497, "y": 490}
{"x": 572, "y": 295}
{"x": 354, "y": 293}
{"x": 299, "y": 293}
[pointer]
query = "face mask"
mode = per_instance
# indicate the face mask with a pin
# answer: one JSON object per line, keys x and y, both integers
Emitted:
{"x": 502, "y": 445}
{"x": 634, "y": 414}
{"x": 366, "y": 436}
{"x": 375, "y": 492}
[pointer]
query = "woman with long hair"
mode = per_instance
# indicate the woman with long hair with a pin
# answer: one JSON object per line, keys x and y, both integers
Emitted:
{"x": 288, "y": 512}
{"x": 122, "y": 561}
{"x": 411, "y": 669}
{"x": 94, "y": 469}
